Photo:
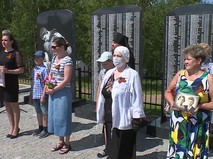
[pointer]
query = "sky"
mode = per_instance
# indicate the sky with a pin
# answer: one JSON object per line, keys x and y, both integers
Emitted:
{"x": 208, "y": 1}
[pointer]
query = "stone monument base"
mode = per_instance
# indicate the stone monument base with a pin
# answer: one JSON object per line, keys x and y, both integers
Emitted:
{"x": 159, "y": 128}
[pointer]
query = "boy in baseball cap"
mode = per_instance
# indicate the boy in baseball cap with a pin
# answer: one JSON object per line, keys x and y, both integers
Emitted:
{"x": 39, "y": 53}
{"x": 106, "y": 61}
{"x": 37, "y": 96}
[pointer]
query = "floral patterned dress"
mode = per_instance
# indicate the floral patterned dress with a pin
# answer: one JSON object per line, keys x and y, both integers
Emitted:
{"x": 189, "y": 136}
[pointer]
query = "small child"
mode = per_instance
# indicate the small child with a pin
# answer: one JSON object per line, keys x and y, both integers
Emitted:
{"x": 37, "y": 94}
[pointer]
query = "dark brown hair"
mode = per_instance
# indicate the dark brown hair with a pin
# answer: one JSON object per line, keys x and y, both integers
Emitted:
{"x": 11, "y": 37}
{"x": 60, "y": 41}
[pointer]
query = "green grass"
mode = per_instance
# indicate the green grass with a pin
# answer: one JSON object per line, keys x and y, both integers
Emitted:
{"x": 153, "y": 109}
{"x": 152, "y": 86}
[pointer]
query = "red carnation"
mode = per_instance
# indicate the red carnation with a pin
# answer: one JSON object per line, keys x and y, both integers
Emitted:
{"x": 38, "y": 76}
{"x": 121, "y": 79}
{"x": 57, "y": 67}
{"x": 9, "y": 55}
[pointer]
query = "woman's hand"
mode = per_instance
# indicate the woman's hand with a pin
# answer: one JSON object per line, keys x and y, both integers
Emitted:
{"x": 50, "y": 91}
{"x": 173, "y": 106}
{"x": 43, "y": 99}
{"x": 170, "y": 106}
{"x": 197, "y": 108}
{"x": 3, "y": 69}
{"x": 191, "y": 112}
{"x": 167, "y": 108}
{"x": 138, "y": 123}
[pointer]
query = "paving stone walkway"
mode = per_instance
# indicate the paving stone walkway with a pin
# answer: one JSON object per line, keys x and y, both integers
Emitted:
{"x": 86, "y": 139}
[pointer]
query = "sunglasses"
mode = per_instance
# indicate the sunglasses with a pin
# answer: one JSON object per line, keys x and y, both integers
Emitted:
{"x": 54, "y": 47}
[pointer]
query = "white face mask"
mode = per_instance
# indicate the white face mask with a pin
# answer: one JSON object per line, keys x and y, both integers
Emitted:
{"x": 117, "y": 61}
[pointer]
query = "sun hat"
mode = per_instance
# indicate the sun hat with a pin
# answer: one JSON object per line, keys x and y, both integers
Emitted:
{"x": 106, "y": 55}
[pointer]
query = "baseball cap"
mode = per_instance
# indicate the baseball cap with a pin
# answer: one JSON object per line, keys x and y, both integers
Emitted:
{"x": 105, "y": 56}
{"x": 39, "y": 53}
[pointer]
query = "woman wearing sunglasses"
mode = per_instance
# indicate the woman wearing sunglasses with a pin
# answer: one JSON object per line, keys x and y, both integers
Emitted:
{"x": 60, "y": 98}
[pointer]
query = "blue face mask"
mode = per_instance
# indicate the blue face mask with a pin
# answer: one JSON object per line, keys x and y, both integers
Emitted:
{"x": 117, "y": 61}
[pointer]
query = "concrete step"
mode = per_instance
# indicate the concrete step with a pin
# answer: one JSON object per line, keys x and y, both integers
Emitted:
{"x": 159, "y": 128}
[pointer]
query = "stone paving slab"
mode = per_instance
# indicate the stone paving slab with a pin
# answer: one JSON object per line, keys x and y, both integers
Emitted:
{"x": 86, "y": 139}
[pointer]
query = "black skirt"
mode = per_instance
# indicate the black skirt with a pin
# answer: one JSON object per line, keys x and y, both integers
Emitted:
{"x": 10, "y": 92}
{"x": 123, "y": 144}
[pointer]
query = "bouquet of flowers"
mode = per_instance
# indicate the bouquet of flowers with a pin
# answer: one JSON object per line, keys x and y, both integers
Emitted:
{"x": 50, "y": 83}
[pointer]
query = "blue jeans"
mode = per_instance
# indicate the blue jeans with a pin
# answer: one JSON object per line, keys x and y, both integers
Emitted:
{"x": 40, "y": 108}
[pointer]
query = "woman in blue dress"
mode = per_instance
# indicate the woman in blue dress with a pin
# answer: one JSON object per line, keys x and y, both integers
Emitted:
{"x": 60, "y": 98}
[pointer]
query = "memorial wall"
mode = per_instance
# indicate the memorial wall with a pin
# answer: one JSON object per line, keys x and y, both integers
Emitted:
{"x": 105, "y": 24}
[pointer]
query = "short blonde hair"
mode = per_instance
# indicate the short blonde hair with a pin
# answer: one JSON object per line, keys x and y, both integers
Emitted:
{"x": 201, "y": 50}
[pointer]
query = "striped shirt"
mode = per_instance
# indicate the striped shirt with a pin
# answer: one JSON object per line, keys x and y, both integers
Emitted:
{"x": 58, "y": 68}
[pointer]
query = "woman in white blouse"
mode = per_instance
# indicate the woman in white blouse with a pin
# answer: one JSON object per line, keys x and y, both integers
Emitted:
{"x": 123, "y": 84}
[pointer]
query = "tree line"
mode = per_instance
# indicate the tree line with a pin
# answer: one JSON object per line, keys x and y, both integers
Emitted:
{"x": 19, "y": 16}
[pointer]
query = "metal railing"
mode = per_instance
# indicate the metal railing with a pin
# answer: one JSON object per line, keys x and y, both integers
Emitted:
{"x": 151, "y": 85}
{"x": 83, "y": 83}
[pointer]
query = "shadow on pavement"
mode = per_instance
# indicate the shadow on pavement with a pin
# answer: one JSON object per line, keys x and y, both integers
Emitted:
{"x": 26, "y": 133}
{"x": 86, "y": 111}
{"x": 211, "y": 154}
{"x": 79, "y": 126}
{"x": 155, "y": 155}
{"x": 150, "y": 143}
{"x": 88, "y": 142}
{"x": 145, "y": 142}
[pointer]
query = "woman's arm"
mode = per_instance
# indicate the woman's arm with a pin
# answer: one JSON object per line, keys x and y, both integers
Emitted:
{"x": 19, "y": 70}
{"x": 20, "y": 64}
{"x": 209, "y": 106}
{"x": 98, "y": 93}
{"x": 137, "y": 97}
{"x": 67, "y": 78}
{"x": 31, "y": 88}
{"x": 46, "y": 73}
{"x": 169, "y": 96}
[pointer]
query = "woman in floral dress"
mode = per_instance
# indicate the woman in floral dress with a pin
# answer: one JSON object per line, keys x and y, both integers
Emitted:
{"x": 189, "y": 130}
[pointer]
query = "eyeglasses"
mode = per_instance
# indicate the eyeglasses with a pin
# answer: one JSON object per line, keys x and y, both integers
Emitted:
{"x": 54, "y": 47}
